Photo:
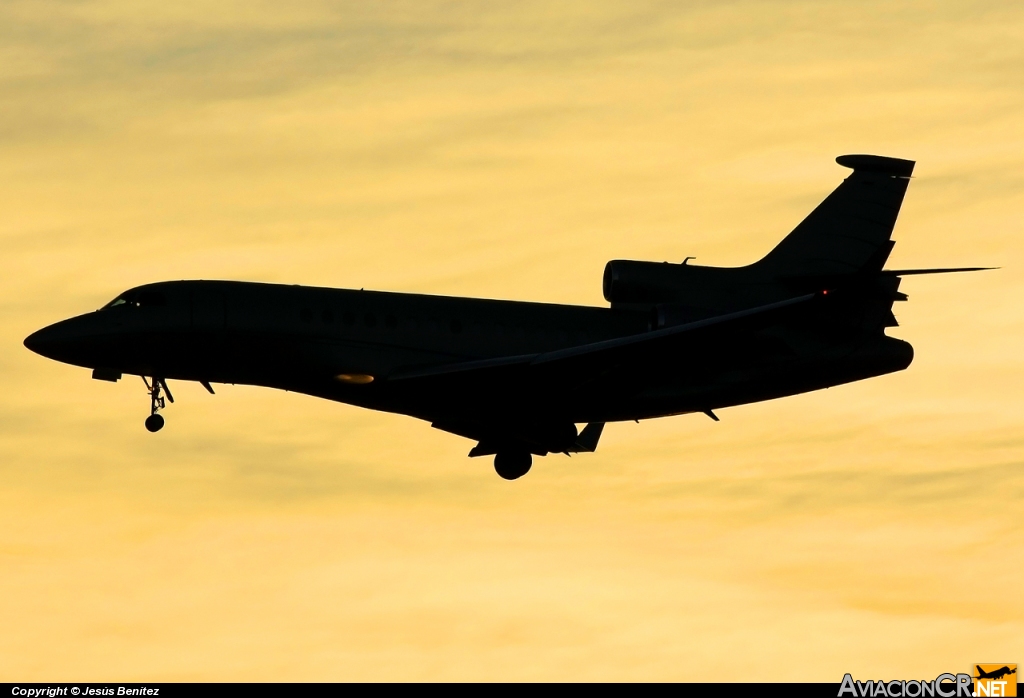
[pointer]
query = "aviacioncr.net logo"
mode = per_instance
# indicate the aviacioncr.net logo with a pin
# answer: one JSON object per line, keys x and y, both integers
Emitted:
{"x": 942, "y": 686}
{"x": 995, "y": 680}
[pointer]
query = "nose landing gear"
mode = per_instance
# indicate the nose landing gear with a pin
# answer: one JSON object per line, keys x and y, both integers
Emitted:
{"x": 155, "y": 422}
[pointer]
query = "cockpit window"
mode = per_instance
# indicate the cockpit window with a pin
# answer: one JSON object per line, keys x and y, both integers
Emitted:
{"x": 140, "y": 299}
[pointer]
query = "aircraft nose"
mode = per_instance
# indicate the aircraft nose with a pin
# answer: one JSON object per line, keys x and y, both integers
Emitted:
{"x": 80, "y": 341}
{"x": 60, "y": 341}
{"x": 41, "y": 342}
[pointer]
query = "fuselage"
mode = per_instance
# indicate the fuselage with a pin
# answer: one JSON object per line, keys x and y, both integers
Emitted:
{"x": 350, "y": 345}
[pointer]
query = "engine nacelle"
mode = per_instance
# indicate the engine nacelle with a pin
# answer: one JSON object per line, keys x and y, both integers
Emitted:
{"x": 629, "y": 282}
{"x": 626, "y": 281}
{"x": 685, "y": 292}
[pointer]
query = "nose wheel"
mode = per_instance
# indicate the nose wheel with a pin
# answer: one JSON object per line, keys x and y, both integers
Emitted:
{"x": 157, "y": 389}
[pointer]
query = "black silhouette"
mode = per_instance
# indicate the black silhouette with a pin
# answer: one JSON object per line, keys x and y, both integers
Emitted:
{"x": 995, "y": 674}
{"x": 517, "y": 377}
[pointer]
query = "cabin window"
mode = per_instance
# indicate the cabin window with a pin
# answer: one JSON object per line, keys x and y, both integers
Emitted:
{"x": 306, "y": 314}
{"x": 456, "y": 326}
{"x": 370, "y": 320}
{"x": 391, "y": 321}
{"x": 327, "y": 315}
{"x": 349, "y": 318}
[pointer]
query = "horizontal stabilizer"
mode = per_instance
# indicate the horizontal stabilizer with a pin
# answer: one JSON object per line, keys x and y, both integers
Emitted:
{"x": 913, "y": 272}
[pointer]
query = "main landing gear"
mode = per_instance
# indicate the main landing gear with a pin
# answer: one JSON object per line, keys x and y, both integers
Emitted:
{"x": 155, "y": 422}
{"x": 512, "y": 465}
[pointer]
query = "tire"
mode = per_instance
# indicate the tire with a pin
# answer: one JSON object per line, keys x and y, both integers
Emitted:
{"x": 512, "y": 465}
{"x": 154, "y": 423}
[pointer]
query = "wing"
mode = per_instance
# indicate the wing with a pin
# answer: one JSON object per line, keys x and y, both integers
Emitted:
{"x": 670, "y": 343}
{"x": 568, "y": 367}
{"x": 526, "y": 400}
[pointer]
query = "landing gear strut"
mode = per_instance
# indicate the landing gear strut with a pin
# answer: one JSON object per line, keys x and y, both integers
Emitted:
{"x": 157, "y": 388}
{"x": 512, "y": 465}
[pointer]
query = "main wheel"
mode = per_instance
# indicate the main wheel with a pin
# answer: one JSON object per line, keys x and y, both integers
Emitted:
{"x": 154, "y": 423}
{"x": 512, "y": 465}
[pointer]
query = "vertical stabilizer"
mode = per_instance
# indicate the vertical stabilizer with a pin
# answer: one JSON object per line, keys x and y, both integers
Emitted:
{"x": 850, "y": 230}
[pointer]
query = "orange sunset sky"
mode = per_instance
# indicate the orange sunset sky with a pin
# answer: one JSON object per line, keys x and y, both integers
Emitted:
{"x": 504, "y": 150}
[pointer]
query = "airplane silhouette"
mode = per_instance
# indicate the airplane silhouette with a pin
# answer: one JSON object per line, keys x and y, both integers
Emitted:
{"x": 518, "y": 377}
{"x": 995, "y": 673}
